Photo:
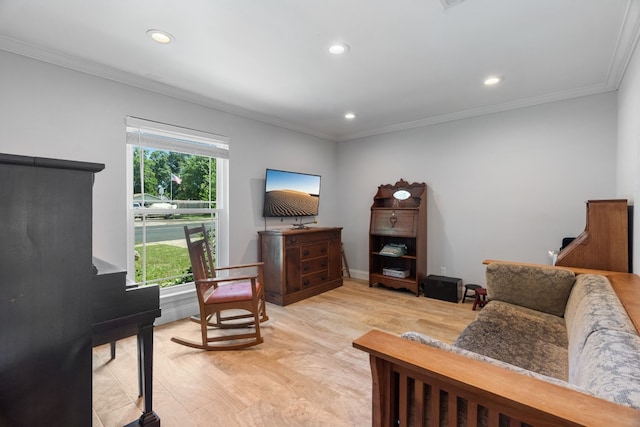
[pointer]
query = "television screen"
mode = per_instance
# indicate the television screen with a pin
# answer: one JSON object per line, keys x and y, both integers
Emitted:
{"x": 291, "y": 194}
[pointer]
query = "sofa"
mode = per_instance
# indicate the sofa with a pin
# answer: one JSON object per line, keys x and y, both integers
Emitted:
{"x": 554, "y": 346}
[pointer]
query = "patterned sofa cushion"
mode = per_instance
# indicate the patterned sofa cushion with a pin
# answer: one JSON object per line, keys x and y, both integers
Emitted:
{"x": 525, "y": 321}
{"x": 609, "y": 367}
{"x": 543, "y": 289}
{"x": 530, "y": 351}
{"x": 592, "y": 306}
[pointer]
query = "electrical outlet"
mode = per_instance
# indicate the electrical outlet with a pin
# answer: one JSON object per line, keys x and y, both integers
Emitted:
{"x": 443, "y": 271}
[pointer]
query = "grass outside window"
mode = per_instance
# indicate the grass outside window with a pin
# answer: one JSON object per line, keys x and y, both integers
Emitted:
{"x": 163, "y": 263}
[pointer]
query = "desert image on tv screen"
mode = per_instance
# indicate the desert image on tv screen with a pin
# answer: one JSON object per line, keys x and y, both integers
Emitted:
{"x": 291, "y": 194}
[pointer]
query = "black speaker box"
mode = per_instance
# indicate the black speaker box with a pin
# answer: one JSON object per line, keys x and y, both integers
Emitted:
{"x": 442, "y": 288}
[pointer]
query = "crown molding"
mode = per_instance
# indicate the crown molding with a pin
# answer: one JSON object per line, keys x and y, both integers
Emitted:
{"x": 113, "y": 74}
{"x": 483, "y": 111}
{"x": 625, "y": 45}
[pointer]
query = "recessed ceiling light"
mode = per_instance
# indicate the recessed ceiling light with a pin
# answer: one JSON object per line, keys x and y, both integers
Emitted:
{"x": 493, "y": 80}
{"x": 339, "y": 48}
{"x": 349, "y": 116}
{"x": 160, "y": 36}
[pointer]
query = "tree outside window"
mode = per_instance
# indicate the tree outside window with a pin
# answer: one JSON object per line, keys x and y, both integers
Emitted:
{"x": 170, "y": 190}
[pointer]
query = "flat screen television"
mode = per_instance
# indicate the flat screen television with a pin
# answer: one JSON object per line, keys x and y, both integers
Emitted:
{"x": 291, "y": 194}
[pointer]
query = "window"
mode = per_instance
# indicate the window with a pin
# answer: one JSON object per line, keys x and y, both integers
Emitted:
{"x": 177, "y": 177}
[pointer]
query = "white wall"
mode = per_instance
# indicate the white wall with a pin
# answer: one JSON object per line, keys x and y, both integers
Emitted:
{"x": 50, "y": 111}
{"x": 628, "y": 172}
{"x": 506, "y": 186}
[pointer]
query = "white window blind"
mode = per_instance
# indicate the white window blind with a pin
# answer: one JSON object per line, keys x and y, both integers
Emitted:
{"x": 159, "y": 135}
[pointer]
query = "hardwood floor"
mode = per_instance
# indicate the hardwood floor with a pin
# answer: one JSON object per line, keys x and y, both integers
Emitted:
{"x": 306, "y": 373}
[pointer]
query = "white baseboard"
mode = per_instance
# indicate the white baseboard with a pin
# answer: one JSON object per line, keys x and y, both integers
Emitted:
{"x": 177, "y": 304}
{"x": 359, "y": 274}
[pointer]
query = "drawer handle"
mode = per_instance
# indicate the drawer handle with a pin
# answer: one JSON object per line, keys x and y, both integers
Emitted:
{"x": 305, "y": 283}
{"x": 294, "y": 239}
{"x": 323, "y": 250}
{"x": 393, "y": 219}
{"x": 324, "y": 264}
{"x": 306, "y": 268}
{"x": 305, "y": 252}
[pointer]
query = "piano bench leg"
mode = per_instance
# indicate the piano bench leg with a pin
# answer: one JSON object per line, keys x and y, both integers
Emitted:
{"x": 113, "y": 350}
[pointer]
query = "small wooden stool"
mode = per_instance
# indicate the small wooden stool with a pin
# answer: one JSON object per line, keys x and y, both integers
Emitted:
{"x": 481, "y": 298}
{"x": 469, "y": 287}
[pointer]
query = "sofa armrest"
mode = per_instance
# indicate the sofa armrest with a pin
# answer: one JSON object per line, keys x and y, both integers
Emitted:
{"x": 626, "y": 286}
{"x": 401, "y": 368}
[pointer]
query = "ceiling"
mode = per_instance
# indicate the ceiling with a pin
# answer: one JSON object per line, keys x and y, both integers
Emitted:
{"x": 410, "y": 63}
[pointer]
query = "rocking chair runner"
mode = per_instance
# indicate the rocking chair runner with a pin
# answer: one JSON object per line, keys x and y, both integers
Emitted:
{"x": 217, "y": 294}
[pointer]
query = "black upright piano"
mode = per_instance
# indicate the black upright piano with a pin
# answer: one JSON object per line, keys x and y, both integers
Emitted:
{"x": 55, "y": 300}
{"x": 121, "y": 311}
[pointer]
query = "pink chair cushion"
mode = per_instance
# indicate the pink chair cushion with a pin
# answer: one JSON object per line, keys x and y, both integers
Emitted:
{"x": 239, "y": 291}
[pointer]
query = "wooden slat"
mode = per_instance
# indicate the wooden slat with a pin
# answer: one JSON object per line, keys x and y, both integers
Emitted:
{"x": 418, "y": 401}
{"x": 452, "y": 411}
{"x": 472, "y": 412}
{"x": 382, "y": 386}
{"x": 493, "y": 418}
{"x": 434, "y": 411}
{"x": 403, "y": 400}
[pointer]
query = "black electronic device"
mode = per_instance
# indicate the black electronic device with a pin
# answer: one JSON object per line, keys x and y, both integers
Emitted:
{"x": 443, "y": 288}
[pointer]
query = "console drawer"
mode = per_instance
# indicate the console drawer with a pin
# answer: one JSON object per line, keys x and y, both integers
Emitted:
{"x": 314, "y": 265}
{"x": 314, "y": 251}
{"x": 308, "y": 237}
{"x": 314, "y": 279}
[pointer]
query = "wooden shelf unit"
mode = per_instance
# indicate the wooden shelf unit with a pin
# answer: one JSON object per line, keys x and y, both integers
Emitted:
{"x": 403, "y": 222}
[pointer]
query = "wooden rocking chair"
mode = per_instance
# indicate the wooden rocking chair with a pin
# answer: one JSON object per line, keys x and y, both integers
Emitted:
{"x": 240, "y": 293}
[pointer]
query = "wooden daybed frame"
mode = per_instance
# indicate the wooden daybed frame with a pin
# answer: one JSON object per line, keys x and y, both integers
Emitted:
{"x": 401, "y": 368}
